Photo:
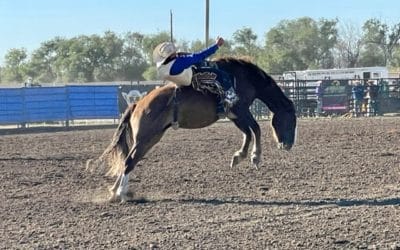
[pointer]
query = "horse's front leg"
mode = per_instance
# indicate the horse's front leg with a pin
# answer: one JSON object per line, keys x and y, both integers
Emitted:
{"x": 256, "y": 152}
{"x": 241, "y": 154}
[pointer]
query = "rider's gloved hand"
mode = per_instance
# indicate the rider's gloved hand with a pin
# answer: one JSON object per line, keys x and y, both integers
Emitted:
{"x": 219, "y": 41}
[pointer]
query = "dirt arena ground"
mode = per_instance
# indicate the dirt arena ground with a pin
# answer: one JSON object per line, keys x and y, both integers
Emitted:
{"x": 338, "y": 188}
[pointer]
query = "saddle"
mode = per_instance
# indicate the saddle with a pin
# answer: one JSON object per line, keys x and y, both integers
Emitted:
{"x": 207, "y": 77}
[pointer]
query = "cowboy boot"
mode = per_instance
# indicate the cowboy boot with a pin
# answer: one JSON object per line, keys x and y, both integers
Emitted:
{"x": 230, "y": 97}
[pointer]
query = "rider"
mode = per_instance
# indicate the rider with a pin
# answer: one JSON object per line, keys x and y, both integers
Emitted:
{"x": 177, "y": 67}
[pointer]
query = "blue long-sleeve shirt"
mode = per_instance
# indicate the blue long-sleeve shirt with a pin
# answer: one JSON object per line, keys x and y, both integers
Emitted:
{"x": 184, "y": 61}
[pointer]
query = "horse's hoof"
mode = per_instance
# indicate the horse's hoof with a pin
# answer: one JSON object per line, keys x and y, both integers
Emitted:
{"x": 254, "y": 162}
{"x": 124, "y": 199}
{"x": 254, "y": 165}
{"x": 120, "y": 199}
{"x": 112, "y": 198}
{"x": 235, "y": 161}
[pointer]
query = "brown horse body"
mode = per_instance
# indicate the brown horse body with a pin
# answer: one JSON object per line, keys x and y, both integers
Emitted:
{"x": 144, "y": 123}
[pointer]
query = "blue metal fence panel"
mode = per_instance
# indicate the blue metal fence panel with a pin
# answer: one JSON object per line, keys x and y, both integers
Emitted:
{"x": 87, "y": 102}
{"x": 45, "y": 104}
{"x": 27, "y": 105}
{"x": 11, "y": 106}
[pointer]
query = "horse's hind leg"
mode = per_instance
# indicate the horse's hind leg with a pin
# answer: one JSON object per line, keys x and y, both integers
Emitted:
{"x": 121, "y": 184}
{"x": 113, "y": 189}
{"x": 241, "y": 154}
{"x": 140, "y": 148}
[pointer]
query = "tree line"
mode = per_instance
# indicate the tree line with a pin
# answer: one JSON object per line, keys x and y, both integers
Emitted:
{"x": 297, "y": 44}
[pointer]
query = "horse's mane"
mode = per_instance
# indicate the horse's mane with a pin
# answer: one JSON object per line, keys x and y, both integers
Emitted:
{"x": 247, "y": 59}
{"x": 267, "y": 88}
{"x": 246, "y": 62}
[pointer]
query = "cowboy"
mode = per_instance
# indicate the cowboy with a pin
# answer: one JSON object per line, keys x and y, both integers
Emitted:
{"x": 358, "y": 97}
{"x": 178, "y": 68}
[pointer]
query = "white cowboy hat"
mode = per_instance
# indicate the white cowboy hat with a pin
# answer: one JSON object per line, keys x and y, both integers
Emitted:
{"x": 162, "y": 52}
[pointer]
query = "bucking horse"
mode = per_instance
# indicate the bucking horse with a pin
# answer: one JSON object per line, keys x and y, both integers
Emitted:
{"x": 143, "y": 124}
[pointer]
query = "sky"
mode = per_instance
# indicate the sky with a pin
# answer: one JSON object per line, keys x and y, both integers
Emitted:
{"x": 28, "y": 23}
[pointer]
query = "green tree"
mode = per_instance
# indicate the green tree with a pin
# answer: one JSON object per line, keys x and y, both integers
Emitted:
{"x": 197, "y": 45}
{"x": 245, "y": 43}
{"x": 150, "y": 74}
{"x": 93, "y": 55}
{"x": 224, "y": 50}
{"x": 112, "y": 49}
{"x": 348, "y": 47}
{"x": 299, "y": 44}
{"x": 151, "y": 41}
{"x": 395, "y": 62}
{"x": 327, "y": 39}
{"x": 46, "y": 61}
{"x": 78, "y": 67}
{"x": 15, "y": 66}
{"x": 380, "y": 42}
{"x": 129, "y": 63}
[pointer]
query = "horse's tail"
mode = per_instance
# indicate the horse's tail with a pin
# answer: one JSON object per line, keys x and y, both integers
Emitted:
{"x": 120, "y": 145}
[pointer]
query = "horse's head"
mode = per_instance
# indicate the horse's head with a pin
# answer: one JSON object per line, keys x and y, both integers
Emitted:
{"x": 284, "y": 125}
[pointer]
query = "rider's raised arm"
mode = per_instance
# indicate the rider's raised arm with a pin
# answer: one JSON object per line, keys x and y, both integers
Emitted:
{"x": 183, "y": 62}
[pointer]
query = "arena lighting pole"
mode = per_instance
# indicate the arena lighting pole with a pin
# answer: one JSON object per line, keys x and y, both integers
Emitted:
{"x": 207, "y": 21}
{"x": 171, "y": 30}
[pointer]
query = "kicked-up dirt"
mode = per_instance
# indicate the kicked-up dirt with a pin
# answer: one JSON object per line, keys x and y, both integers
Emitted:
{"x": 338, "y": 188}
